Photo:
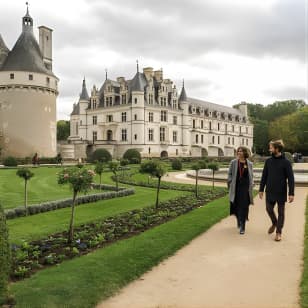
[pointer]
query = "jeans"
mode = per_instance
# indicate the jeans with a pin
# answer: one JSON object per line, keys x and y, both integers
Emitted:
{"x": 270, "y": 211}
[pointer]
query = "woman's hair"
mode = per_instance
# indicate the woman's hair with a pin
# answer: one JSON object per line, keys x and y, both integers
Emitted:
{"x": 245, "y": 151}
{"x": 277, "y": 144}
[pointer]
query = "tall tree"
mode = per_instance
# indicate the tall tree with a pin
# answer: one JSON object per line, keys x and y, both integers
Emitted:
{"x": 63, "y": 130}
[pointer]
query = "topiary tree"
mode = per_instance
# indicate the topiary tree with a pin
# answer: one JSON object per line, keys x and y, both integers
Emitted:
{"x": 201, "y": 164}
{"x": 114, "y": 166}
{"x": 26, "y": 174}
{"x": 214, "y": 167}
{"x": 133, "y": 156}
{"x": 176, "y": 164}
{"x": 156, "y": 169}
{"x": 10, "y": 161}
{"x": 99, "y": 168}
{"x": 5, "y": 258}
{"x": 101, "y": 155}
{"x": 79, "y": 179}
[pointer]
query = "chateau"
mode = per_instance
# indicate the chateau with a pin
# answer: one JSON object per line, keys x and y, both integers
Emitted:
{"x": 28, "y": 92}
{"x": 148, "y": 114}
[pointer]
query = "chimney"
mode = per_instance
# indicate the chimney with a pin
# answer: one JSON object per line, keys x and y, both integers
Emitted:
{"x": 158, "y": 75}
{"x": 45, "y": 41}
{"x": 148, "y": 72}
{"x": 243, "y": 108}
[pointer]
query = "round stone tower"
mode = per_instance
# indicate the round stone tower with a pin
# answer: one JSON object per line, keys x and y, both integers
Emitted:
{"x": 28, "y": 92}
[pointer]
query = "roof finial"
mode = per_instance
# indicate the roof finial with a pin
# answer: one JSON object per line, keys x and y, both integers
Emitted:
{"x": 106, "y": 72}
{"x": 27, "y": 4}
{"x": 183, "y": 83}
{"x": 137, "y": 66}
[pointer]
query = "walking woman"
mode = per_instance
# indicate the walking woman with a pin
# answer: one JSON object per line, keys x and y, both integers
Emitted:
{"x": 240, "y": 184}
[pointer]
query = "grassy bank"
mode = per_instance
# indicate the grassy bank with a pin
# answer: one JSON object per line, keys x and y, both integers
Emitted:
{"x": 85, "y": 281}
{"x": 304, "y": 283}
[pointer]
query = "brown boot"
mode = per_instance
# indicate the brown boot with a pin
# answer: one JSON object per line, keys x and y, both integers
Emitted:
{"x": 278, "y": 237}
{"x": 271, "y": 229}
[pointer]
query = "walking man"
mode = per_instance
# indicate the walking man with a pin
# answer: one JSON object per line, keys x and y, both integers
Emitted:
{"x": 277, "y": 170}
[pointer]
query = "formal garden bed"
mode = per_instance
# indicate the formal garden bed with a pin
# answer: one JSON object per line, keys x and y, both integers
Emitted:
{"x": 30, "y": 257}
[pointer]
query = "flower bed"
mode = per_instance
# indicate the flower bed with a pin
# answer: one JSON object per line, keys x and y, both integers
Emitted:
{"x": 30, "y": 257}
{"x": 59, "y": 204}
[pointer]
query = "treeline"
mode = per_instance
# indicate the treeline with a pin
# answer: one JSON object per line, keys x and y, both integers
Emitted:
{"x": 287, "y": 120}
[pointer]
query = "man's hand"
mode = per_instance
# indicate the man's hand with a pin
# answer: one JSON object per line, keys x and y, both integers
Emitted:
{"x": 261, "y": 195}
{"x": 291, "y": 199}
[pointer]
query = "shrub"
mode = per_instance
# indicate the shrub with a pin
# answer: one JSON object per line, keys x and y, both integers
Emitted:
{"x": 101, "y": 155}
{"x": 10, "y": 161}
{"x": 4, "y": 258}
{"x": 133, "y": 156}
{"x": 124, "y": 162}
{"x": 176, "y": 164}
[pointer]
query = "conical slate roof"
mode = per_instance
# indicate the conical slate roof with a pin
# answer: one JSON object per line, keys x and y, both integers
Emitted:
{"x": 76, "y": 109}
{"x": 183, "y": 96}
{"x": 2, "y": 45}
{"x": 138, "y": 83}
{"x": 84, "y": 93}
{"x": 26, "y": 56}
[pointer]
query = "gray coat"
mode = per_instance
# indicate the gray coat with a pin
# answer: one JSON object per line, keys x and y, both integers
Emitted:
{"x": 232, "y": 179}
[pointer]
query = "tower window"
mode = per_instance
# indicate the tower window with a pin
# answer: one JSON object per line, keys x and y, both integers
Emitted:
{"x": 47, "y": 80}
{"x": 135, "y": 117}
{"x": 12, "y": 76}
{"x": 136, "y": 100}
{"x": 30, "y": 77}
{"x": 135, "y": 136}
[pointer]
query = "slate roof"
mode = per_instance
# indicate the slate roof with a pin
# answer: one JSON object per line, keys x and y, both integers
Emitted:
{"x": 26, "y": 54}
{"x": 84, "y": 93}
{"x": 76, "y": 109}
{"x": 214, "y": 107}
{"x": 138, "y": 83}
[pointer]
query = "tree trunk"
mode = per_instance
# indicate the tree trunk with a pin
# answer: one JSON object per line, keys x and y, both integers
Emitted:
{"x": 196, "y": 190}
{"x": 71, "y": 228}
{"x": 26, "y": 197}
{"x": 117, "y": 182}
{"x": 213, "y": 179}
{"x": 100, "y": 181}
{"x": 157, "y": 194}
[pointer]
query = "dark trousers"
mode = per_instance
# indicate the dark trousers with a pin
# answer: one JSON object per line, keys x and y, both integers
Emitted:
{"x": 270, "y": 205}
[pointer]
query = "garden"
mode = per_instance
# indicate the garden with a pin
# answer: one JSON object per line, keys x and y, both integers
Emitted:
{"x": 78, "y": 234}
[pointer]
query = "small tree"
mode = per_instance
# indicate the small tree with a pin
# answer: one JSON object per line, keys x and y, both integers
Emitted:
{"x": 79, "y": 179}
{"x": 114, "y": 166}
{"x": 26, "y": 174}
{"x": 156, "y": 169}
{"x": 99, "y": 168}
{"x": 5, "y": 258}
{"x": 197, "y": 166}
{"x": 214, "y": 167}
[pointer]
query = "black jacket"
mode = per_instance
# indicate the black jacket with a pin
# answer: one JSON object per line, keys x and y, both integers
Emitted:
{"x": 275, "y": 174}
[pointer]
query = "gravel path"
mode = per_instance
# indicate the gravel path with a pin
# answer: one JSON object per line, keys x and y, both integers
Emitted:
{"x": 222, "y": 269}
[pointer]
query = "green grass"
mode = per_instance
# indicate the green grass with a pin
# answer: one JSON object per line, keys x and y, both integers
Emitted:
{"x": 42, "y": 187}
{"x": 304, "y": 283}
{"x": 85, "y": 281}
{"x": 34, "y": 227}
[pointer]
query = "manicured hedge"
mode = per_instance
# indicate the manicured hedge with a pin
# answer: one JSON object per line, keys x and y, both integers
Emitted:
{"x": 29, "y": 257}
{"x": 59, "y": 204}
{"x": 5, "y": 263}
{"x": 133, "y": 156}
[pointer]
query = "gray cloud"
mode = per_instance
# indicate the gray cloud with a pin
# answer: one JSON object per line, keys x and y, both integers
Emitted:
{"x": 288, "y": 93}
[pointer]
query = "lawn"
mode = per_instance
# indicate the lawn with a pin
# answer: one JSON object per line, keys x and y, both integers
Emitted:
{"x": 304, "y": 283}
{"x": 42, "y": 187}
{"x": 85, "y": 281}
{"x": 37, "y": 226}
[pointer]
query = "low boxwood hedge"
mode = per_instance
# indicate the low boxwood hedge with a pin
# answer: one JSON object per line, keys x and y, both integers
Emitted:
{"x": 59, "y": 204}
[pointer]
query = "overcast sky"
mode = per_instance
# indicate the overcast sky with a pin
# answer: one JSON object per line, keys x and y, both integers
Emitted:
{"x": 227, "y": 51}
